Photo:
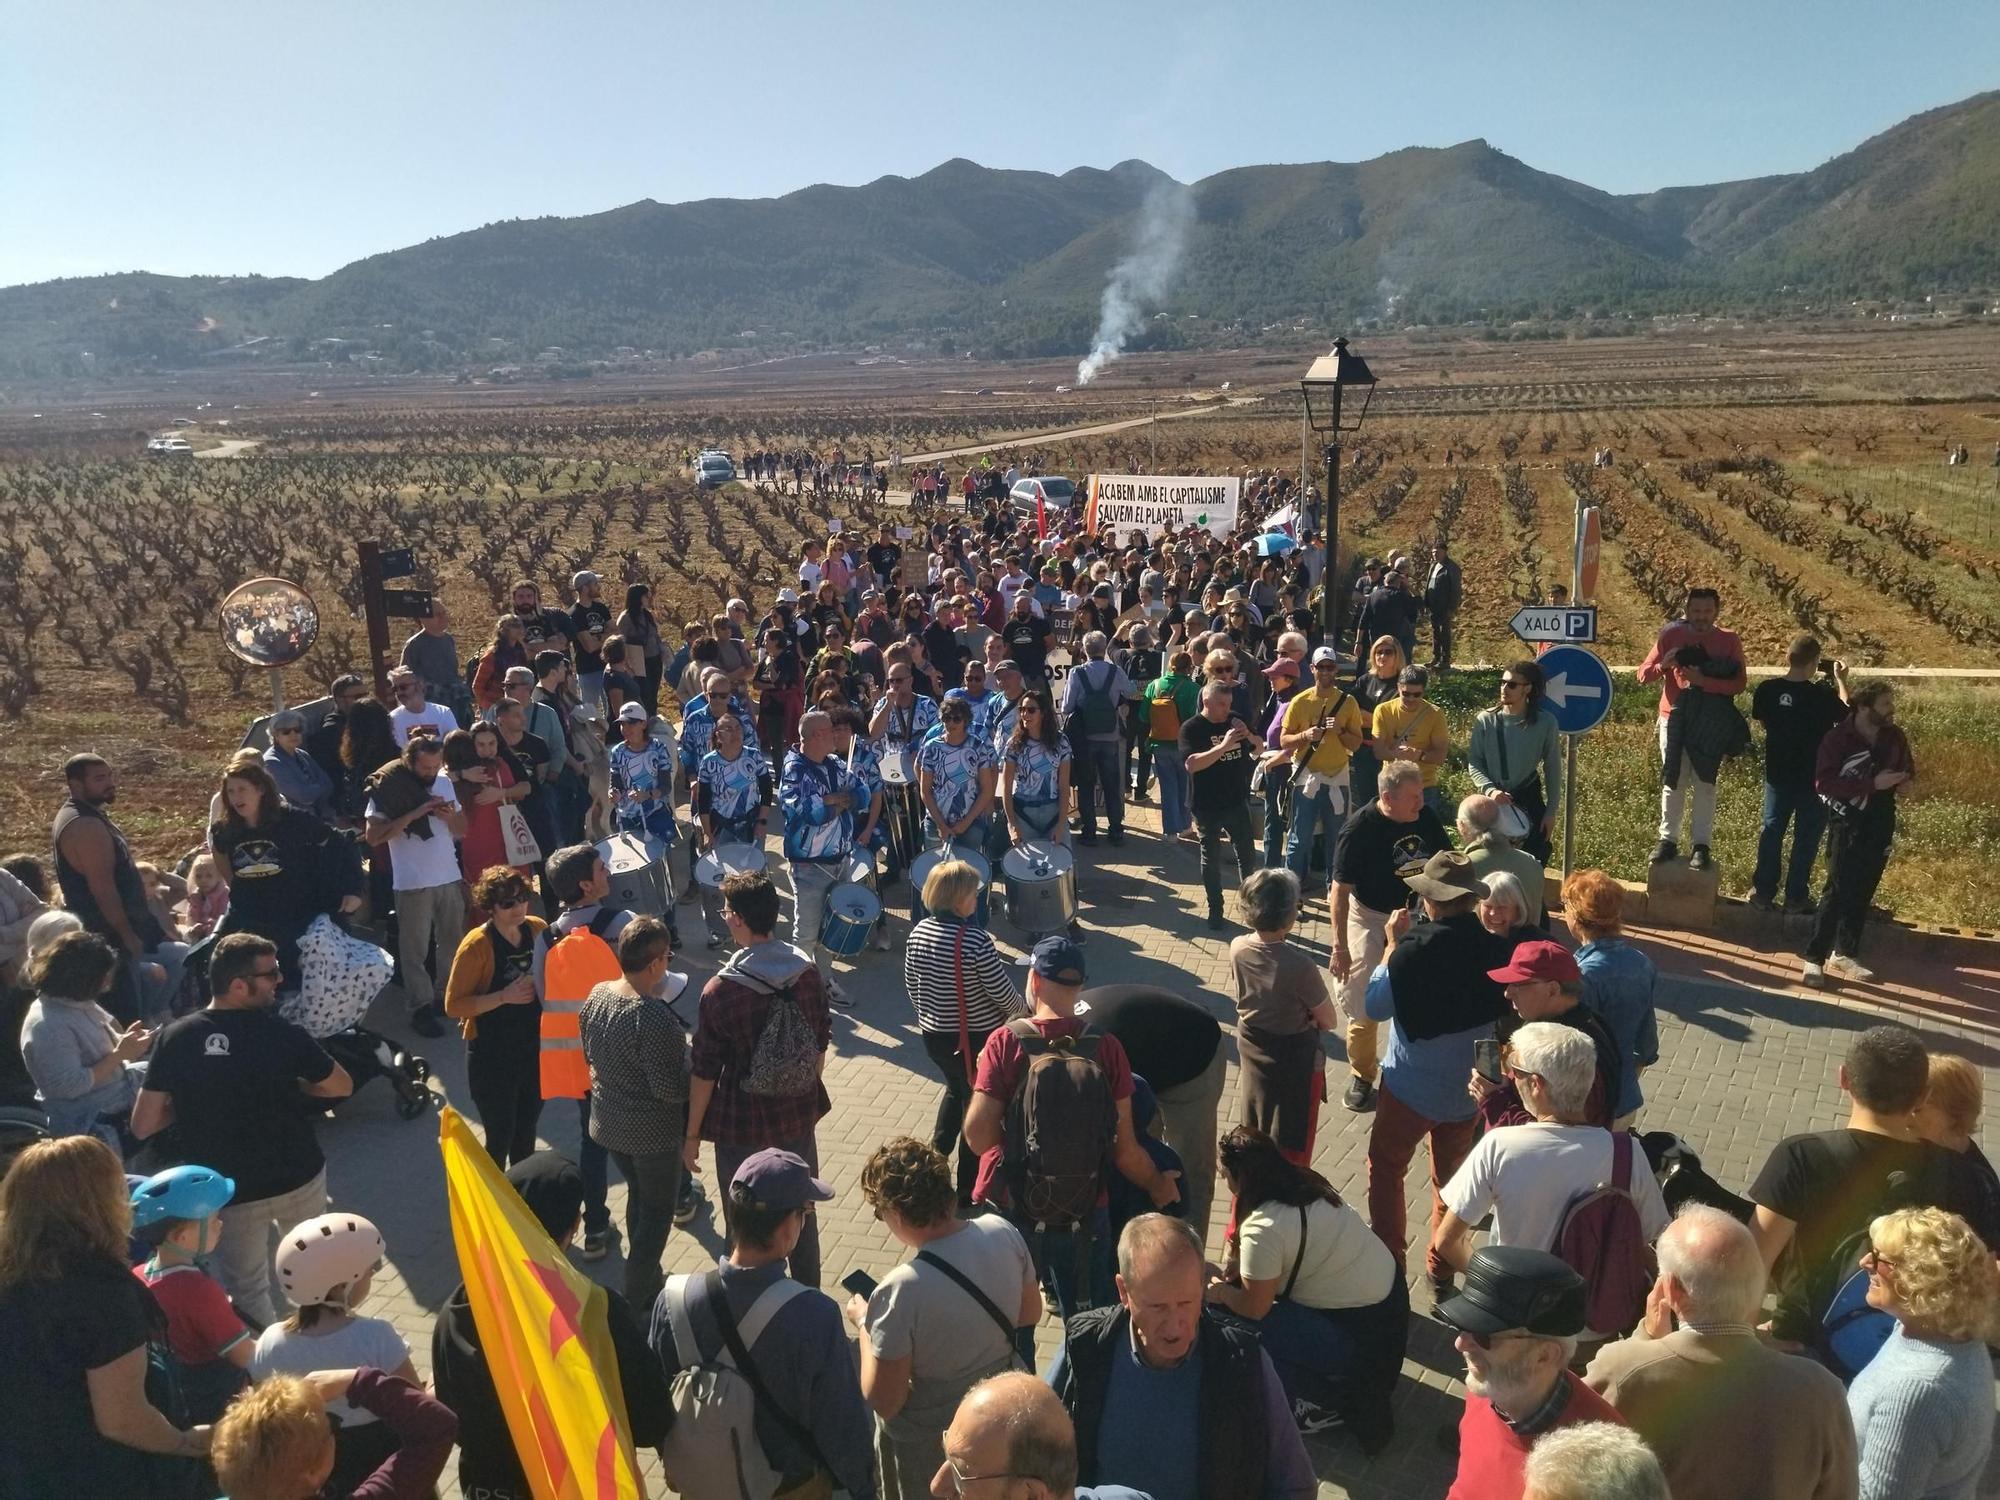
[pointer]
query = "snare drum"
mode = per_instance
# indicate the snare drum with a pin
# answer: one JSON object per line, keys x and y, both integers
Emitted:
{"x": 638, "y": 869}
{"x": 727, "y": 859}
{"x": 851, "y": 914}
{"x": 898, "y": 767}
{"x": 920, "y": 871}
{"x": 1041, "y": 887}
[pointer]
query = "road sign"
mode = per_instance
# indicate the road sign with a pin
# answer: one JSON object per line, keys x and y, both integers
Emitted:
{"x": 399, "y": 562}
{"x": 406, "y": 604}
{"x": 1576, "y": 687}
{"x": 1533, "y": 622}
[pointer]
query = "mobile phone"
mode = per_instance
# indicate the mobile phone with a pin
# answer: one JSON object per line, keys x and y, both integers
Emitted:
{"x": 1486, "y": 1059}
{"x": 860, "y": 1283}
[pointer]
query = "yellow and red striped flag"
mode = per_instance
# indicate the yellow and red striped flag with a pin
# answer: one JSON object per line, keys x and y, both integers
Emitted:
{"x": 542, "y": 1324}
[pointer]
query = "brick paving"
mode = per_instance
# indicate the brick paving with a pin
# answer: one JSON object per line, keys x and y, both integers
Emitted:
{"x": 1746, "y": 1058}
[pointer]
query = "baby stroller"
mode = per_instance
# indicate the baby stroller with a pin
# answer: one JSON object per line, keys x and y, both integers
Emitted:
{"x": 339, "y": 977}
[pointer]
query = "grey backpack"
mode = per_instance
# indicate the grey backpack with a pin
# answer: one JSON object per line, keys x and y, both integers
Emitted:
{"x": 711, "y": 1449}
{"x": 785, "y": 1062}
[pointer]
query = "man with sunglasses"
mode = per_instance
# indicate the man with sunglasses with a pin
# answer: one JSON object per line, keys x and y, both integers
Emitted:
{"x": 413, "y": 711}
{"x": 1518, "y": 1321}
{"x": 230, "y": 1079}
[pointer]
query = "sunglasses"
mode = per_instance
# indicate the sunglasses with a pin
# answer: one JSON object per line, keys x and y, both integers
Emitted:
{"x": 1488, "y": 1340}
{"x": 1875, "y": 1261}
{"x": 1509, "y": 682}
{"x": 510, "y": 903}
{"x": 293, "y": 730}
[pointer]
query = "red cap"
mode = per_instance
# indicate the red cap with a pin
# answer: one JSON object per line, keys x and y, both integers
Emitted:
{"x": 1540, "y": 959}
{"x": 1284, "y": 666}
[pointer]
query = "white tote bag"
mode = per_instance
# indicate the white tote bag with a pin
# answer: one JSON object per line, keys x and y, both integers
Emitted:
{"x": 516, "y": 841}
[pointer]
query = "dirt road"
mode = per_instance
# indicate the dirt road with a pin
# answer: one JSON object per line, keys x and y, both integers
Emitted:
{"x": 228, "y": 448}
{"x": 1093, "y": 430}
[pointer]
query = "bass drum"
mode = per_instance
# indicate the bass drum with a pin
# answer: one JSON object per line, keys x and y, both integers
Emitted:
{"x": 920, "y": 871}
{"x": 1041, "y": 887}
{"x": 637, "y": 865}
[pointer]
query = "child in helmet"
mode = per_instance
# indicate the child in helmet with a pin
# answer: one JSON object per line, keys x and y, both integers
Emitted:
{"x": 327, "y": 1266}
{"x": 177, "y": 1214}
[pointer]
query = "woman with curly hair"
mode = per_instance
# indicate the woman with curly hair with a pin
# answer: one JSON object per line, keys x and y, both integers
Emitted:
{"x": 491, "y": 994}
{"x": 1923, "y": 1407}
{"x": 961, "y": 1309}
{"x": 1618, "y": 979}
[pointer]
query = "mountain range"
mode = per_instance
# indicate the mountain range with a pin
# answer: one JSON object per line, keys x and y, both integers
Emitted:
{"x": 1011, "y": 262}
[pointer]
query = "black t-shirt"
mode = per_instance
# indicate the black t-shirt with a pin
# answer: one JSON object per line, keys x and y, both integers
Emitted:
{"x": 1225, "y": 783}
{"x": 545, "y": 630}
{"x": 1374, "y": 851}
{"x": 1028, "y": 643}
{"x": 882, "y": 559}
{"x": 509, "y": 1032}
{"x": 1169, "y": 1039}
{"x": 53, "y": 1333}
{"x": 1796, "y": 717}
{"x": 589, "y": 619}
{"x": 234, "y": 1078}
{"x": 1831, "y": 1183}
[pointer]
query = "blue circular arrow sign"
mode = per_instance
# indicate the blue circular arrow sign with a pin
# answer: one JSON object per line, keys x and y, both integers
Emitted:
{"x": 1576, "y": 687}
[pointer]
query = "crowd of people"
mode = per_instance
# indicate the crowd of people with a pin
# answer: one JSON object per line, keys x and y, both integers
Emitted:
{"x": 524, "y": 831}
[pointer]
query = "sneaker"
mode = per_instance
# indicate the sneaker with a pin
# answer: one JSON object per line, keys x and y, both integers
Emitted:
{"x": 1217, "y": 922}
{"x": 1665, "y": 850}
{"x": 1313, "y": 1418}
{"x": 1442, "y": 1287}
{"x": 427, "y": 1022}
{"x": 838, "y": 995}
{"x": 1088, "y": 840}
{"x": 1116, "y": 840}
{"x": 1360, "y": 1095}
{"x": 593, "y": 1246}
{"x": 1699, "y": 860}
{"x": 1139, "y": 794}
{"x": 1188, "y": 836}
{"x": 1762, "y": 902}
{"x": 1843, "y": 967}
{"x": 1076, "y": 933}
{"x": 688, "y": 1204}
{"x": 1814, "y": 977}
{"x": 716, "y": 940}
{"x": 882, "y": 937}
{"x": 1805, "y": 906}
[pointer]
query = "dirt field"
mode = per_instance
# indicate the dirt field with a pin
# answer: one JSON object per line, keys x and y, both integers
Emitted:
{"x": 1803, "y": 474}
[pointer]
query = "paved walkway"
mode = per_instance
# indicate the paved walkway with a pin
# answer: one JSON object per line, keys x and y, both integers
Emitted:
{"x": 1745, "y": 1059}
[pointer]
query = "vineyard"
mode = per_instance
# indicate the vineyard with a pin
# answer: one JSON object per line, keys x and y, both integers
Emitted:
{"x": 1837, "y": 516}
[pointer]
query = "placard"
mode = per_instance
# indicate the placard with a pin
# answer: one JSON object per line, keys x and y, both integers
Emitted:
{"x": 904, "y": 533}
{"x": 835, "y": 526}
{"x": 1155, "y": 503}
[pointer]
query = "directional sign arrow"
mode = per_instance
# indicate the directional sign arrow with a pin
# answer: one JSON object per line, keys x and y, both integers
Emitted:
{"x": 1559, "y": 690}
{"x": 1547, "y": 622}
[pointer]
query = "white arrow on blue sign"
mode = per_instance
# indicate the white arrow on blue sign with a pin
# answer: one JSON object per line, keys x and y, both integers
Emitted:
{"x": 1576, "y": 624}
{"x": 1576, "y": 687}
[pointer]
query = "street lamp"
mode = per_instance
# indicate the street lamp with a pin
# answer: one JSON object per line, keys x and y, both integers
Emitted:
{"x": 1322, "y": 385}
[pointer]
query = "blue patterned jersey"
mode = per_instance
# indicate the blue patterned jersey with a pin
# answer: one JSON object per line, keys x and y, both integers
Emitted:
{"x": 1036, "y": 769}
{"x": 812, "y": 829}
{"x": 648, "y": 769}
{"x": 955, "y": 772}
{"x": 698, "y": 729}
{"x": 908, "y": 727}
{"x": 985, "y": 707}
{"x": 732, "y": 789}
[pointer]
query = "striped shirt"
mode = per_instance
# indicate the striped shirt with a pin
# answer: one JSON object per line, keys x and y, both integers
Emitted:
{"x": 930, "y": 974}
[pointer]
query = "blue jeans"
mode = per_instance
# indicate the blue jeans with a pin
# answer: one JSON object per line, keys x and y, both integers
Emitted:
{"x": 1307, "y": 814}
{"x": 1099, "y": 764}
{"x": 1079, "y": 1274}
{"x": 1800, "y": 806}
{"x": 1170, "y": 765}
{"x": 594, "y": 1162}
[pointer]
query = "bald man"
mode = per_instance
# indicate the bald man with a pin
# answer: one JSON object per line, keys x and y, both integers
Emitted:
{"x": 1012, "y": 1427}
{"x": 1727, "y": 1414}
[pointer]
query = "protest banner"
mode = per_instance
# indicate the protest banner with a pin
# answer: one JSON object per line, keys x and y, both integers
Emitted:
{"x": 1154, "y": 503}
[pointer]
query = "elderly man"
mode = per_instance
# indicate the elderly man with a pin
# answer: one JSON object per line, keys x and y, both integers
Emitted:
{"x": 1543, "y": 983}
{"x": 1727, "y": 1414}
{"x": 414, "y": 712}
{"x": 1013, "y": 1428}
{"x": 1374, "y": 854}
{"x": 1491, "y": 851}
{"x": 1169, "y": 1398}
{"x": 1093, "y": 710}
{"x": 1594, "y": 1461}
{"x": 1518, "y": 1321}
{"x": 821, "y": 799}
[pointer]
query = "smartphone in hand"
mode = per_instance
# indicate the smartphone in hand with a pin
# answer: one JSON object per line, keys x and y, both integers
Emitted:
{"x": 860, "y": 1283}
{"x": 1486, "y": 1059}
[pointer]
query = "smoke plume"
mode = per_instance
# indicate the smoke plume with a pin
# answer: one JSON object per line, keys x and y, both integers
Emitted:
{"x": 1141, "y": 278}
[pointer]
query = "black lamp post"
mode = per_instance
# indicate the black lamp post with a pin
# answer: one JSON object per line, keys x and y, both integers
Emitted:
{"x": 1322, "y": 385}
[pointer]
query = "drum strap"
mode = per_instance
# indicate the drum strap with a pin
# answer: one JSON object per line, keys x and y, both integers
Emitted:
{"x": 964, "y": 1021}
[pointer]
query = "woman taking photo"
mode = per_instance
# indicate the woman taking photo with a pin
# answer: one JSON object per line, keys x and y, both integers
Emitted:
{"x": 962, "y": 992}
{"x": 1923, "y": 1406}
{"x": 943, "y": 1320}
{"x": 82, "y": 1335}
{"x": 80, "y": 1059}
{"x": 1371, "y": 690}
{"x": 1515, "y": 756}
{"x": 1325, "y": 1294}
{"x": 491, "y": 994}
{"x": 1034, "y": 774}
{"x": 1281, "y": 1006}
{"x": 282, "y": 865}
{"x": 642, "y": 632}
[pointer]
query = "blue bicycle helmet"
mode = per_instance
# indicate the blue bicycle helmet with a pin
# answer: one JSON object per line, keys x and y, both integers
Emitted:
{"x": 180, "y": 1193}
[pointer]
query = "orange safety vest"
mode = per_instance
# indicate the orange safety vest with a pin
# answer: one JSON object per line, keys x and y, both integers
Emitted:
{"x": 577, "y": 962}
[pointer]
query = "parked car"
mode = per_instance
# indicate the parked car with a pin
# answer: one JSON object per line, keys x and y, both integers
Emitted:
{"x": 1051, "y": 491}
{"x": 713, "y": 469}
{"x": 170, "y": 447}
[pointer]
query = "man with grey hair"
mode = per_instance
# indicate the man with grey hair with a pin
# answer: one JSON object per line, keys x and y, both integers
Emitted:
{"x": 1011, "y": 1427}
{"x": 1491, "y": 851}
{"x": 1526, "y": 1176}
{"x": 1168, "y": 1397}
{"x": 1597, "y": 1461}
{"x": 1093, "y": 712}
{"x": 1728, "y": 1414}
{"x": 819, "y": 797}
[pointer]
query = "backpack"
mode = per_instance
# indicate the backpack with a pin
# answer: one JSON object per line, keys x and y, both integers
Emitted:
{"x": 711, "y": 1447}
{"x": 785, "y": 1062}
{"x": 1098, "y": 713}
{"x": 1600, "y": 1238}
{"x": 1163, "y": 716}
{"x": 1847, "y": 1332}
{"x": 1061, "y": 1126}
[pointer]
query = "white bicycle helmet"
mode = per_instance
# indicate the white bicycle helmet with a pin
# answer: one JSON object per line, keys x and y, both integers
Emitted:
{"x": 322, "y": 1254}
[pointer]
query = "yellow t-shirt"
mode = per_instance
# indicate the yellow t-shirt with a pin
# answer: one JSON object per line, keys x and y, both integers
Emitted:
{"x": 1432, "y": 736}
{"x": 1305, "y": 710}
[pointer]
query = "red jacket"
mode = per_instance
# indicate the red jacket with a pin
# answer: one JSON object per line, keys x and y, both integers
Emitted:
{"x": 1493, "y": 1457}
{"x": 1845, "y": 768}
{"x": 1720, "y": 644}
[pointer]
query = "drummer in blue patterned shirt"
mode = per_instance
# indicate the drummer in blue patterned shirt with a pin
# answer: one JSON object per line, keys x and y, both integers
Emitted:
{"x": 698, "y": 723}
{"x": 986, "y": 704}
{"x": 857, "y": 752}
{"x": 897, "y": 726}
{"x": 821, "y": 800}
{"x": 733, "y": 790}
{"x": 1034, "y": 773}
{"x": 956, "y": 773}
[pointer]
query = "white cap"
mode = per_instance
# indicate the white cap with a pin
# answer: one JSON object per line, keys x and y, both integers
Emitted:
{"x": 632, "y": 713}
{"x": 788, "y": 596}
{"x": 333, "y": 1250}
{"x": 1326, "y": 654}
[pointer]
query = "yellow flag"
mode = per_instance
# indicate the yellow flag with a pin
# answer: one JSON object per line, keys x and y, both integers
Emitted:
{"x": 542, "y": 1324}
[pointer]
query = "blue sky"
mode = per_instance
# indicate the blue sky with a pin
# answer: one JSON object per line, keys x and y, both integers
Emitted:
{"x": 290, "y": 138}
